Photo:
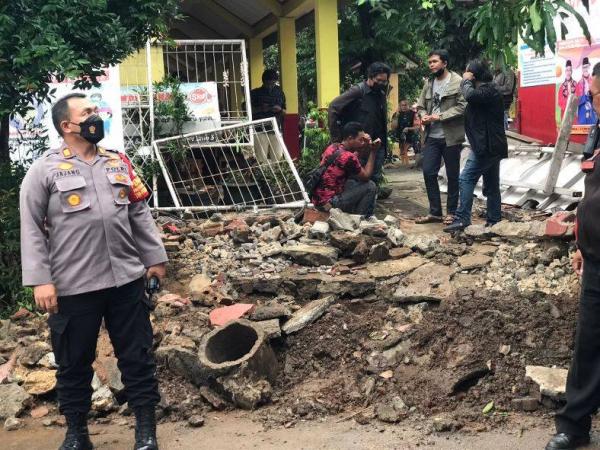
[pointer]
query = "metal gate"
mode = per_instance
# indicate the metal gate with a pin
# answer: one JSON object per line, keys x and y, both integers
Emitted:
{"x": 244, "y": 166}
{"x": 188, "y": 61}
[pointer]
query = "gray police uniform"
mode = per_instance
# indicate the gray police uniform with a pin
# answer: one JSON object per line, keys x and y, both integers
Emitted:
{"x": 81, "y": 232}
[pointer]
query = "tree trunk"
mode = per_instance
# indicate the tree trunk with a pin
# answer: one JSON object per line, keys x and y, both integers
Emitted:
{"x": 4, "y": 135}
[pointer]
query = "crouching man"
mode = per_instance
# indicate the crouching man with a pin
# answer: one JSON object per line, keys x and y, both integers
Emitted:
{"x": 346, "y": 184}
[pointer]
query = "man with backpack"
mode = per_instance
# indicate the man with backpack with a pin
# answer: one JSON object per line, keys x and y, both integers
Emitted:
{"x": 344, "y": 183}
{"x": 365, "y": 103}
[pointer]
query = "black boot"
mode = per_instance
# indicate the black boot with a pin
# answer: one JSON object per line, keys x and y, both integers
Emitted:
{"x": 77, "y": 437}
{"x": 565, "y": 441}
{"x": 145, "y": 429}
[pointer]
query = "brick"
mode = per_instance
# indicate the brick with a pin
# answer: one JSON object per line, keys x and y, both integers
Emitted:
{"x": 313, "y": 215}
{"x": 554, "y": 228}
{"x": 221, "y": 316}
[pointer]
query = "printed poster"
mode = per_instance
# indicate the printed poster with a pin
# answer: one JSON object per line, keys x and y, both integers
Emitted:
{"x": 575, "y": 60}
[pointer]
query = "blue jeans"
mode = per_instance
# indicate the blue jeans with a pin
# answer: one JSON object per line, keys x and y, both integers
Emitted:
{"x": 475, "y": 168}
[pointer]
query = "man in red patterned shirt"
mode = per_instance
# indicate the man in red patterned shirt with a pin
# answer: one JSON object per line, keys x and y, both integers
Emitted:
{"x": 346, "y": 184}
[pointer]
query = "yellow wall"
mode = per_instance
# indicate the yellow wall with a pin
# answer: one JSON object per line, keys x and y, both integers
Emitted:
{"x": 134, "y": 71}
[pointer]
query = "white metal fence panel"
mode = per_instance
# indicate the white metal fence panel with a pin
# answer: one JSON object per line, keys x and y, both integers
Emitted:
{"x": 244, "y": 166}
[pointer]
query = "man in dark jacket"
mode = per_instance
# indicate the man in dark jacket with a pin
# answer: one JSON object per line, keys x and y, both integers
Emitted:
{"x": 574, "y": 421}
{"x": 484, "y": 126}
{"x": 365, "y": 103}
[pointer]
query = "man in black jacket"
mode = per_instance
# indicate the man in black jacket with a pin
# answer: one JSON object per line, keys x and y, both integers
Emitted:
{"x": 484, "y": 126}
{"x": 573, "y": 422}
{"x": 365, "y": 103}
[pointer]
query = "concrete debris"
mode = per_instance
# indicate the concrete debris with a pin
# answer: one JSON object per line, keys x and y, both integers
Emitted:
{"x": 429, "y": 282}
{"x": 470, "y": 262}
{"x": 340, "y": 220}
{"x": 271, "y": 328}
{"x": 196, "y": 421}
{"x": 31, "y": 354}
{"x": 308, "y": 314}
{"x": 13, "y": 400}
{"x": 103, "y": 400}
{"x": 319, "y": 230}
{"x": 274, "y": 311}
{"x": 379, "y": 252}
{"x": 311, "y": 255}
{"x": 12, "y": 424}
{"x": 551, "y": 381}
{"x": 238, "y": 347}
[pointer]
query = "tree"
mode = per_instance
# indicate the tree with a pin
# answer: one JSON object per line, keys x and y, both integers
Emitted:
{"x": 45, "y": 39}
{"x": 491, "y": 27}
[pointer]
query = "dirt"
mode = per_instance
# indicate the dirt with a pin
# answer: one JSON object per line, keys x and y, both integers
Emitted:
{"x": 325, "y": 368}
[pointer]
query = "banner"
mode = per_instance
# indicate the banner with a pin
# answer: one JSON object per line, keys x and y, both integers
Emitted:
{"x": 536, "y": 70}
{"x": 575, "y": 60}
{"x": 106, "y": 97}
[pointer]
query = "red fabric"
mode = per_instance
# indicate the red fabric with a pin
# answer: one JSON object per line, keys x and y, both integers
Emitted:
{"x": 332, "y": 183}
{"x": 138, "y": 191}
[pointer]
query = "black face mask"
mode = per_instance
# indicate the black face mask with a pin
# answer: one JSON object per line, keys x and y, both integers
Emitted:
{"x": 380, "y": 87}
{"x": 439, "y": 73}
{"x": 92, "y": 129}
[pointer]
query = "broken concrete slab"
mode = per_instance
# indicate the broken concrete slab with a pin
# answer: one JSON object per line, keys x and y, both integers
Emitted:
{"x": 360, "y": 254}
{"x": 429, "y": 282}
{"x": 551, "y": 381}
{"x": 308, "y": 314}
{"x": 340, "y": 220}
{"x": 355, "y": 285}
{"x": 311, "y": 255}
{"x": 389, "y": 269}
{"x": 395, "y": 236}
{"x": 319, "y": 230}
{"x": 422, "y": 243}
{"x": 379, "y": 252}
{"x": 245, "y": 393}
{"x": 103, "y": 400}
{"x": 183, "y": 362}
{"x": 374, "y": 227}
{"x": 221, "y": 316}
{"x": 271, "y": 328}
{"x": 400, "y": 252}
{"x": 512, "y": 229}
{"x": 474, "y": 261}
{"x": 267, "y": 312}
{"x": 216, "y": 401}
{"x": 31, "y": 354}
{"x": 13, "y": 400}
{"x": 489, "y": 250}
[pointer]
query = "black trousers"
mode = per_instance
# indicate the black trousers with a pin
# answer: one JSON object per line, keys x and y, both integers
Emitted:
{"x": 433, "y": 152}
{"x": 74, "y": 334}
{"x": 583, "y": 381}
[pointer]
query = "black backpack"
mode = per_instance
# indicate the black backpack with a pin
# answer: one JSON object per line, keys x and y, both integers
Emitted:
{"x": 312, "y": 180}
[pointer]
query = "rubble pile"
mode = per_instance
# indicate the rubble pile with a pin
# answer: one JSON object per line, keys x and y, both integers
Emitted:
{"x": 333, "y": 315}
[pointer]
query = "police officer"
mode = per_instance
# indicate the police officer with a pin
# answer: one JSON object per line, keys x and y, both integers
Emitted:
{"x": 573, "y": 422}
{"x": 88, "y": 245}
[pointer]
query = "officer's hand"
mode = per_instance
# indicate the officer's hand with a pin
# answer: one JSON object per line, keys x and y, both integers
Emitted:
{"x": 577, "y": 262}
{"x": 159, "y": 271}
{"x": 45, "y": 298}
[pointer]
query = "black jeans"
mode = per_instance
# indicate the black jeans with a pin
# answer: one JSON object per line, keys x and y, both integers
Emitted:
{"x": 432, "y": 154}
{"x": 74, "y": 333}
{"x": 583, "y": 382}
{"x": 358, "y": 197}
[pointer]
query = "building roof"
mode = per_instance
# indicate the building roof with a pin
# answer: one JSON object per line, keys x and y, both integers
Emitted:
{"x": 234, "y": 19}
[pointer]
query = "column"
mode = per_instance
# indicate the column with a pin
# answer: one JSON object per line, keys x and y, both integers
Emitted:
{"x": 328, "y": 61}
{"x": 257, "y": 65}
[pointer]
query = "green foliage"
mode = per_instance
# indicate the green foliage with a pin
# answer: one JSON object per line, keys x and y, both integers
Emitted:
{"x": 491, "y": 28}
{"x": 170, "y": 108}
{"x": 12, "y": 293}
{"x": 45, "y": 39}
{"x": 316, "y": 136}
{"x": 69, "y": 38}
